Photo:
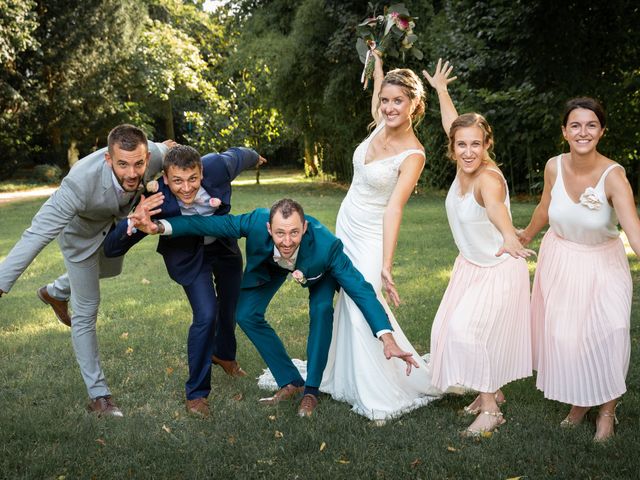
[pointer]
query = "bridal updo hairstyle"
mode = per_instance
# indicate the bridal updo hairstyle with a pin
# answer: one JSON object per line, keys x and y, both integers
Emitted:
{"x": 412, "y": 87}
{"x": 471, "y": 120}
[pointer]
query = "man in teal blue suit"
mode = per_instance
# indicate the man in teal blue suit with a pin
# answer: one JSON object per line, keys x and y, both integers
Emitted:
{"x": 278, "y": 242}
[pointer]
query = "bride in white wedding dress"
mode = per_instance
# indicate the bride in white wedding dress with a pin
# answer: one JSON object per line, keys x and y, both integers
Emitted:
{"x": 386, "y": 167}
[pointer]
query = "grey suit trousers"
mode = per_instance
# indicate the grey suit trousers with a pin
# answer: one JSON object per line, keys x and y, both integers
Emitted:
{"x": 81, "y": 284}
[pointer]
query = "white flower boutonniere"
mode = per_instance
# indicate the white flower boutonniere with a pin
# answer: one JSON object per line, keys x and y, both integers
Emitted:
{"x": 590, "y": 199}
{"x": 215, "y": 202}
{"x": 153, "y": 186}
{"x": 298, "y": 276}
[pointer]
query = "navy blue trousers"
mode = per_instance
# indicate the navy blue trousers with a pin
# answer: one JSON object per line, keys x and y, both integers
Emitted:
{"x": 212, "y": 331}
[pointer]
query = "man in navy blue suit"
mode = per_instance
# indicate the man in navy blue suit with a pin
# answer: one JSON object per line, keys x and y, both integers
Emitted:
{"x": 194, "y": 186}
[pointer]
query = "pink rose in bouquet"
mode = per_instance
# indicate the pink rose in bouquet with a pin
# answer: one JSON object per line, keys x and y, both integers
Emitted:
{"x": 389, "y": 34}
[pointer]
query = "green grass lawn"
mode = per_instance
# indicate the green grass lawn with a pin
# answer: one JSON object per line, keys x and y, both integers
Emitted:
{"x": 142, "y": 326}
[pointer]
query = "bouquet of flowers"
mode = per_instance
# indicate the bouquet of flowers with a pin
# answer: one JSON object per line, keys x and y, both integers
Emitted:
{"x": 389, "y": 34}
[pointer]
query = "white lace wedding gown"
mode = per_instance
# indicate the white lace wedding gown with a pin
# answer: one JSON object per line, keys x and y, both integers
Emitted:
{"x": 357, "y": 371}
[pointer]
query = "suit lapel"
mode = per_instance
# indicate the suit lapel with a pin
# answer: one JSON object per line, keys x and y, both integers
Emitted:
{"x": 170, "y": 207}
{"x": 109, "y": 193}
{"x": 305, "y": 251}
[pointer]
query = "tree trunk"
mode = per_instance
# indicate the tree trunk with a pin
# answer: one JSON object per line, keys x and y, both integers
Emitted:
{"x": 310, "y": 158}
{"x": 168, "y": 120}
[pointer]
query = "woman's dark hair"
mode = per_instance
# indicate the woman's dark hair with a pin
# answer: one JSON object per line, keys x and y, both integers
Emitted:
{"x": 587, "y": 103}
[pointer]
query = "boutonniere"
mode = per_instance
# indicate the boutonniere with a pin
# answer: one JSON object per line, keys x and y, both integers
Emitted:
{"x": 298, "y": 276}
{"x": 590, "y": 199}
{"x": 153, "y": 186}
{"x": 215, "y": 202}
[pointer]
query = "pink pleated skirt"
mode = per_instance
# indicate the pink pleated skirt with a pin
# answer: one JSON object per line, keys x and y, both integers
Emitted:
{"x": 481, "y": 335}
{"x": 580, "y": 313}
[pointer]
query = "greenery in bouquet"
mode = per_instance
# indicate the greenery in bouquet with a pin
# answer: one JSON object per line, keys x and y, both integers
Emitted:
{"x": 390, "y": 34}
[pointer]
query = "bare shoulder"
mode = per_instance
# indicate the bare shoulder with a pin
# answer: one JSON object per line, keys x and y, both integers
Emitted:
{"x": 414, "y": 158}
{"x": 551, "y": 166}
{"x": 491, "y": 179}
{"x": 492, "y": 174}
{"x": 617, "y": 176}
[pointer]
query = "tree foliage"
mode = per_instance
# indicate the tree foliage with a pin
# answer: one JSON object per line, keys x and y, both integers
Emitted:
{"x": 283, "y": 77}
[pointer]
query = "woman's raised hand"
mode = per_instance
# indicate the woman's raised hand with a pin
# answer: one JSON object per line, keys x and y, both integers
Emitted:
{"x": 441, "y": 77}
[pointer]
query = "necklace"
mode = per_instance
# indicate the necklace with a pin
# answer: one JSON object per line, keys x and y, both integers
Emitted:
{"x": 385, "y": 141}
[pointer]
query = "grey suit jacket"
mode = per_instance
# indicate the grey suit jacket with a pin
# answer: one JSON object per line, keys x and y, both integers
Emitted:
{"x": 80, "y": 213}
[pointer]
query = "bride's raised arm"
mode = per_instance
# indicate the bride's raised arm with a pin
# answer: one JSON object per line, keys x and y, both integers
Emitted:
{"x": 439, "y": 81}
{"x": 378, "y": 77}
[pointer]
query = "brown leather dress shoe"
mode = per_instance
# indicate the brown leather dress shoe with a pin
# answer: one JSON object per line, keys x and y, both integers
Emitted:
{"x": 60, "y": 307}
{"x": 104, "y": 407}
{"x": 307, "y": 405}
{"x": 230, "y": 367}
{"x": 285, "y": 393}
{"x": 199, "y": 407}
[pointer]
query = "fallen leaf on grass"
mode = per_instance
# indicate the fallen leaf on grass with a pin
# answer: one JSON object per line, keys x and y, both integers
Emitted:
{"x": 486, "y": 434}
{"x": 452, "y": 449}
{"x": 415, "y": 463}
{"x": 231, "y": 440}
{"x": 144, "y": 281}
{"x": 166, "y": 429}
{"x": 271, "y": 417}
{"x": 169, "y": 370}
{"x": 238, "y": 396}
{"x": 278, "y": 434}
{"x": 124, "y": 335}
{"x": 343, "y": 461}
{"x": 516, "y": 478}
{"x": 128, "y": 350}
{"x": 323, "y": 445}
{"x": 101, "y": 442}
{"x": 61, "y": 477}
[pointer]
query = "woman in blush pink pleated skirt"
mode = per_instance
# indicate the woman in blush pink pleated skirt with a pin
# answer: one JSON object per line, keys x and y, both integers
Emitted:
{"x": 481, "y": 335}
{"x": 581, "y": 300}
{"x": 480, "y": 338}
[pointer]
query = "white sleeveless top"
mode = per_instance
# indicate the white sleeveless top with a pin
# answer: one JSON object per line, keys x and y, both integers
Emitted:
{"x": 591, "y": 221}
{"x": 476, "y": 237}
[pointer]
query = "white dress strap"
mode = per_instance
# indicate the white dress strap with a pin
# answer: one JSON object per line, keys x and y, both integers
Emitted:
{"x": 559, "y": 167}
{"x": 406, "y": 153}
{"x": 606, "y": 172}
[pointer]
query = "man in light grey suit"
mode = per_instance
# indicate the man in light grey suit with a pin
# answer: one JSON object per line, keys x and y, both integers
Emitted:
{"x": 99, "y": 190}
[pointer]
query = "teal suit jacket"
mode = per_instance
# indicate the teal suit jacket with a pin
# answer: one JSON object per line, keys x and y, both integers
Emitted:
{"x": 320, "y": 253}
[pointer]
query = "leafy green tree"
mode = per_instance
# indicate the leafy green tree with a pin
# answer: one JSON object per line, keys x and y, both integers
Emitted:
{"x": 518, "y": 62}
{"x": 17, "y": 27}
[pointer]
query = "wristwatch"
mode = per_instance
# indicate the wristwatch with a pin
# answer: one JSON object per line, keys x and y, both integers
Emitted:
{"x": 160, "y": 226}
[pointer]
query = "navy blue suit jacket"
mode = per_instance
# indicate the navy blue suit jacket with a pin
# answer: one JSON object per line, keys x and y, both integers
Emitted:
{"x": 183, "y": 256}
